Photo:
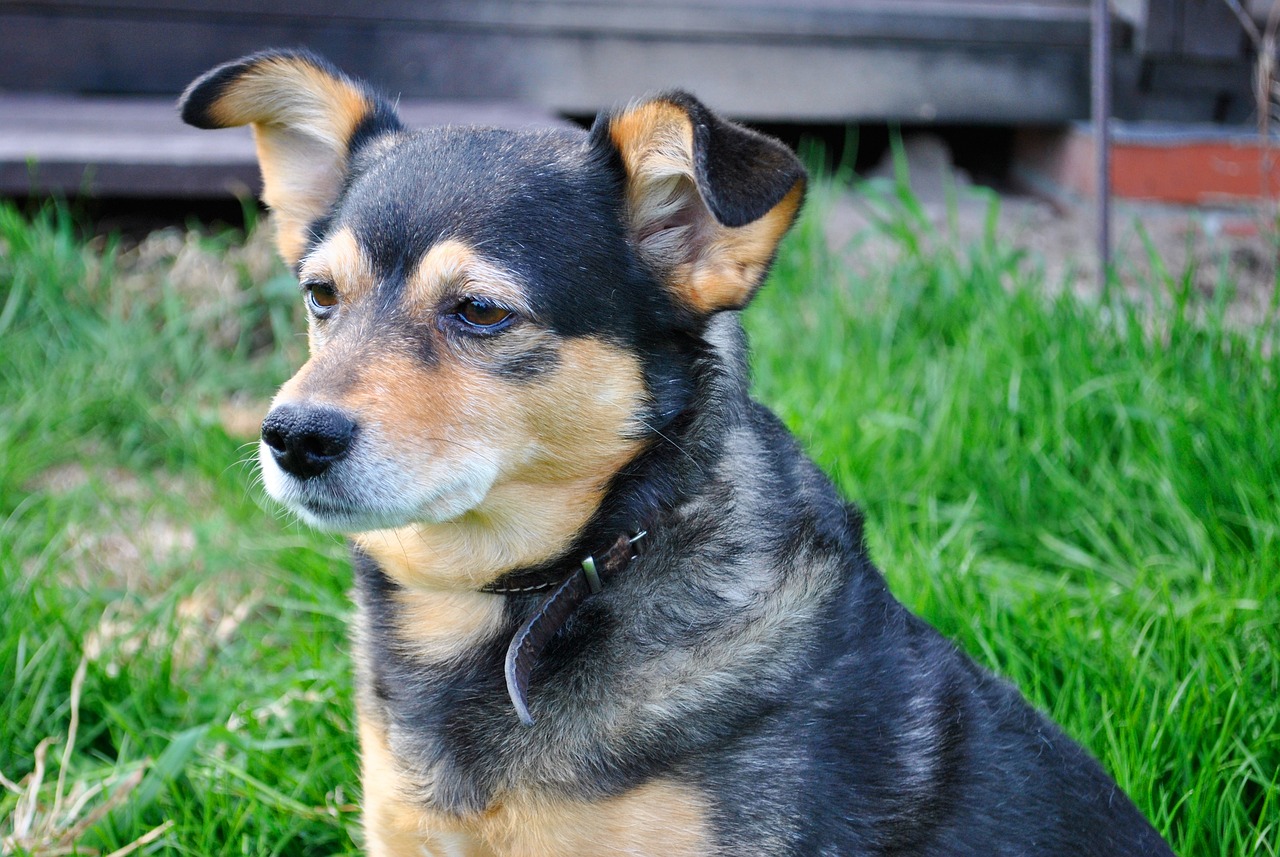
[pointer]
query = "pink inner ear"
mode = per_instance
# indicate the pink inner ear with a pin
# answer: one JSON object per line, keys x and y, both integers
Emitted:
{"x": 685, "y": 214}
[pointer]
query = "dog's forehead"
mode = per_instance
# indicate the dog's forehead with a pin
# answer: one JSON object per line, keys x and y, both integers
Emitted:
{"x": 498, "y": 189}
{"x": 541, "y": 204}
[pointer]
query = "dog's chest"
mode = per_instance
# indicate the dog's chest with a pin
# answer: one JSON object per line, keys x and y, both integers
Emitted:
{"x": 663, "y": 818}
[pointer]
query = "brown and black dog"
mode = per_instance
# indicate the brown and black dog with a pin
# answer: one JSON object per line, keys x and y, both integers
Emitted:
{"x": 606, "y": 604}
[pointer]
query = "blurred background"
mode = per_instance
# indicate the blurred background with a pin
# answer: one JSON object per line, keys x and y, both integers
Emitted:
{"x": 988, "y": 92}
{"x": 86, "y": 86}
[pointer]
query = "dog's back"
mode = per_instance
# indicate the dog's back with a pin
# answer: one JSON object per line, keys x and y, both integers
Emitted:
{"x": 607, "y": 605}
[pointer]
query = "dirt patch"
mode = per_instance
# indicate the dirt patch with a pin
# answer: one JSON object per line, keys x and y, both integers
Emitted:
{"x": 128, "y": 533}
{"x": 1222, "y": 254}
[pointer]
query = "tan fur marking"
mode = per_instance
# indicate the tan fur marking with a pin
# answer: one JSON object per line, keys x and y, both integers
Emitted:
{"x": 658, "y": 818}
{"x": 452, "y": 268}
{"x": 339, "y": 260}
{"x": 733, "y": 264}
{"x": 559, "y": 442}
{"x": 661, "y": 818}
{"x": 392, "y": 826}
{"x": 708, "y": 266}
{"x": 519, "y": 525}
{"x": 303, "y": 119}
{"x": 291, "y": 91}
{"x": 442, "y": 625}
{"x": 654, "y": 137}
{"x": 656, "y": 143}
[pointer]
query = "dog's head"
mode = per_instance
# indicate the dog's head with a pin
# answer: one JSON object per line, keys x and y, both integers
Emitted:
{"x": 499, "y": 320}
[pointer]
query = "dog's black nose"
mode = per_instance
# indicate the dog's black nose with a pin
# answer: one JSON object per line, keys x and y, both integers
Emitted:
{"x": 306, "y": 439}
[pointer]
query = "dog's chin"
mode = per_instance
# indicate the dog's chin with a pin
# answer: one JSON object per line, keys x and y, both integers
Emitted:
{"x": 346, "y": 505}
{"x": 346, "y": 520}
{"x": 349, "y": 518}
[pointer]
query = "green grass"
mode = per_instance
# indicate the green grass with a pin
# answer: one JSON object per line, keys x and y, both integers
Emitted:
{"x": 1086, "y": 497}
{"x": 129, "y": 530}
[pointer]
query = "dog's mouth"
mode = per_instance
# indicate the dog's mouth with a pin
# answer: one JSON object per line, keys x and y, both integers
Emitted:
{"x": 325, "y": 512}
{"x": 319, "y": 508}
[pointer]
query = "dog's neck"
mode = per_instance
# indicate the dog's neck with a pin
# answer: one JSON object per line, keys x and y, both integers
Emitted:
{"x": 543, "y": 596}
{"x": 562, "y": 592}
{"x": 641, "y": 495}
{"x": 521, "y": 525}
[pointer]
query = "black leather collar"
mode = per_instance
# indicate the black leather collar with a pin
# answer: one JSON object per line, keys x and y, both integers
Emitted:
{"x": 565, "y": 591}
{"x": 639, "y": 499}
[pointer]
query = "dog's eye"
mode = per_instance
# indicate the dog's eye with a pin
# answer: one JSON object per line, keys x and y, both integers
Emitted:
{"x": 483, "y": 315}
{"x": 322, "y": 297}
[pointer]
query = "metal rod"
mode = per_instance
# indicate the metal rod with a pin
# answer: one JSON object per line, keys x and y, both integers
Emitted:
{"x": 1101, "y": 74}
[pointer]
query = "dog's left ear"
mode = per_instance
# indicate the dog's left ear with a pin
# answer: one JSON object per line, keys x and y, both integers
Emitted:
{"x": 309, "y": 120}
{"x": 707, "y": 200}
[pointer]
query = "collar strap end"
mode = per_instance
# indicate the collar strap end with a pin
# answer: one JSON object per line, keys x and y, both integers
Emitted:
{"x": 593, "y": 576}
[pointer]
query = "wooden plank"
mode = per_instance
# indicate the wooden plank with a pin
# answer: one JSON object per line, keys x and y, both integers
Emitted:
{"x": 576, "y": 12}
{"x": 378, "y": 8}
{"x": 139, "y": 147}
{"x": 825, "y": 83}
{"x": 787, "y": 78}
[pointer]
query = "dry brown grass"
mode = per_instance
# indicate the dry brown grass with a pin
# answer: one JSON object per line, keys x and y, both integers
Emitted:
{"x": 51, "y": 825}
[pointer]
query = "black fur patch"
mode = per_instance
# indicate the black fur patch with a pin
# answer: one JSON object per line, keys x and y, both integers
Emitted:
{"x": 850, "y": 727}
{"x": 741, "y": 174}
{"x": 204, "y": 91}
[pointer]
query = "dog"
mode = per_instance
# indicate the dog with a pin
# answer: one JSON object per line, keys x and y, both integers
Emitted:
{"x": 606, "y": 605}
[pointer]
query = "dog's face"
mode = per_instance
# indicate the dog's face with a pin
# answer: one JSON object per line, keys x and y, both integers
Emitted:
{"x": 499, "y": 320}
{"x": 464, "y": 348}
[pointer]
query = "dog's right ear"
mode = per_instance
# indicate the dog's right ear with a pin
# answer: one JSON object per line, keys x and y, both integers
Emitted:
{"x": 707, "y": 200}
{"x": 308, "y": 120}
